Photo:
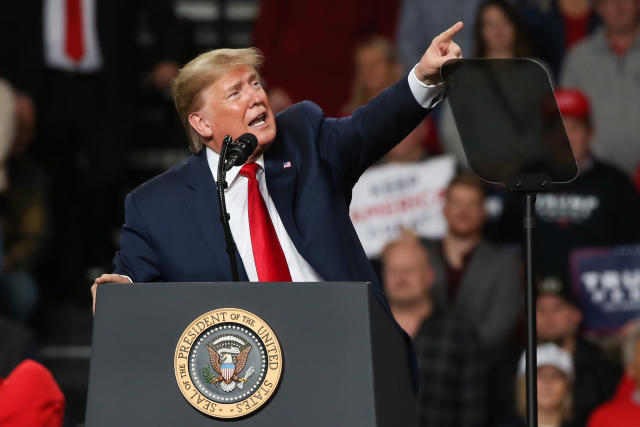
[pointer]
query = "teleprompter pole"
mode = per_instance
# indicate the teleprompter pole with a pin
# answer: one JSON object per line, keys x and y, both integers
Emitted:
{"x": 529, "y": 185}
{"x": 530, "y": 303}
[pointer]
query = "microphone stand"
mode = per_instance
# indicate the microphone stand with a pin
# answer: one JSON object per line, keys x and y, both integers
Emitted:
{"x": 224, "y": 215}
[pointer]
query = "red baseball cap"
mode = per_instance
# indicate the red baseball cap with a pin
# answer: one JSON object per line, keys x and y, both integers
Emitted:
{"x": 573, "y": 103}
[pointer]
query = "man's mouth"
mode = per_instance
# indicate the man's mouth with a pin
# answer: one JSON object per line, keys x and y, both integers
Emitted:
{"x": 258, "y": 121}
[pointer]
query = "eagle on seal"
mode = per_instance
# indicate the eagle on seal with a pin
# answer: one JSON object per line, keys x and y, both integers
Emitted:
{"x": 224, "y": 365}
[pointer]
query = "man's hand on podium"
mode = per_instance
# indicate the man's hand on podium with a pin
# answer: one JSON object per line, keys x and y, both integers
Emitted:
{"x": 442, "y": 49}
{"x": 106, "y": 278}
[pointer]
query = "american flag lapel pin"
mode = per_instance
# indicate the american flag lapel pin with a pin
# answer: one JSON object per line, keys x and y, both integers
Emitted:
{"x": 286, "y": 165}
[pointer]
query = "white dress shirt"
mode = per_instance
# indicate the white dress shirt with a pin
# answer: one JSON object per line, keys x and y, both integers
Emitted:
{"x": 236, "y": 196}
{"x": 55, "y": 28}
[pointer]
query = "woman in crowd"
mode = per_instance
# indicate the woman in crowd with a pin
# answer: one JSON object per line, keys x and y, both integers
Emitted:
{"x": 498, "y": 33}
{"x": 555, "y": 379}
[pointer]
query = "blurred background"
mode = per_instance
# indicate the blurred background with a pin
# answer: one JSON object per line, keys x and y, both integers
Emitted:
{"x": 86, "y": 115}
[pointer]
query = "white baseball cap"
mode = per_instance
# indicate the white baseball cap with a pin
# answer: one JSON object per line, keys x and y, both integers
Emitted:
{"x": 550, "y": 355}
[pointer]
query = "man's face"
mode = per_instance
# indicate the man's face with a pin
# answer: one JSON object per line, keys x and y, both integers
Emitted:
{"x": 618, "y": 15}
{"x": 464, "y": 210}
{"x": 556, "y": 319}
{"x": 579, "y": 136}
{"x": 235, "y": 104}
{"x": 406, "y": 273}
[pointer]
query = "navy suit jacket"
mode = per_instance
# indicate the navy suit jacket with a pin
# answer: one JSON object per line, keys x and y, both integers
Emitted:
{"x": 172, "y": 230}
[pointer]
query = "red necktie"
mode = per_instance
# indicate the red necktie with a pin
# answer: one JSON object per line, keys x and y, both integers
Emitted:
{"x": 74, "y": 40}
{"x": 271, "y": 264}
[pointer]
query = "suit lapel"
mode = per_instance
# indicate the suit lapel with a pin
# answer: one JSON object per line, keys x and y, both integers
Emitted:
{"x": 202, "y": 204}
{"x": 281, "y": 183}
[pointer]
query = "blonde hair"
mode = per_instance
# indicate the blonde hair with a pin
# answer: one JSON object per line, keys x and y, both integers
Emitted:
{"x": 200, "y": 73}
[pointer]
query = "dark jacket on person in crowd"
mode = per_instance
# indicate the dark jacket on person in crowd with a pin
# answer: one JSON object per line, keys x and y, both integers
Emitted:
{"x": 489, "y": 294}
{"x": 452, "y": 373}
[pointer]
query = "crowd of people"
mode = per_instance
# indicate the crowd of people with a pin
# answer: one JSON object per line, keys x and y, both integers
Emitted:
{"x": 67, "y": 103}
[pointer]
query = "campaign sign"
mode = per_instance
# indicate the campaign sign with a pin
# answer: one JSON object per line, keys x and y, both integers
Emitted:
{"x": 395, "y": 196}
{"x": 607, "y": 284}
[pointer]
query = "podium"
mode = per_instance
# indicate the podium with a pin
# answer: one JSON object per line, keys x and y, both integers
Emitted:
{"x": 340, "y": 359}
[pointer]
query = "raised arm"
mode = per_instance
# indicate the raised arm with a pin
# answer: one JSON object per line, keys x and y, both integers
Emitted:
{"x": 352, "y": 144}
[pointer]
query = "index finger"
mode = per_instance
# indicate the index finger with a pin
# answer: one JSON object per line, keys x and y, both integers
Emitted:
{"x": 448, "y": 34}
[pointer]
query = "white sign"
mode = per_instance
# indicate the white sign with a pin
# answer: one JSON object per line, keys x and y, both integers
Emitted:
{"x": 396, "y": 196}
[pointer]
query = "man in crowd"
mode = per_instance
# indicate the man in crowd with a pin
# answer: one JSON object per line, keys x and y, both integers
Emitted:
{"x": 450, "y": 364}
{"x": 474, "y": 278}
{"x": 289, "y": 202}
{"x": 606, "y": 67}
{"x": 599, "y": 208}
{"x": 558, "y": 319}
{"x": 623, "y": 410}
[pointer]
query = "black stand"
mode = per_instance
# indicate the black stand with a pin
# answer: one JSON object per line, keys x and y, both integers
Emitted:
{"x": 512, "y": 133}
{"x": 529, "y": 186}
{"x": 530, "y": 303}
{"x": 224, "y": 215}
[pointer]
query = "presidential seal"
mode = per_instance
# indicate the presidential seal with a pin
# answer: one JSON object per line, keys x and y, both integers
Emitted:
{"x": 228, "y": 363}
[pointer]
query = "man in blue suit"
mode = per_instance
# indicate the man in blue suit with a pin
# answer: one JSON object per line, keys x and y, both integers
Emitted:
{"x": 302, "y": 176}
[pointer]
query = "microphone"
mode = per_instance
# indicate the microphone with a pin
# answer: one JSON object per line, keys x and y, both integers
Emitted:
{"x": 239, "y": 150}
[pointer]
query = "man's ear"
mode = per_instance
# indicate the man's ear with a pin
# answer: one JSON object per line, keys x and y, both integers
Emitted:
{"x": 201, "y": 125}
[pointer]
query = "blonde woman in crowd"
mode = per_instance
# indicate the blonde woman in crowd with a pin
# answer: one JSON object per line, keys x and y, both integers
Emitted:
{"x": 555, "y": 380}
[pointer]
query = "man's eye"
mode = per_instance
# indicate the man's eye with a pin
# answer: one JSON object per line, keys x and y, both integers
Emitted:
{"x": 233, "y": 94}
{"x": 257, "y": 84}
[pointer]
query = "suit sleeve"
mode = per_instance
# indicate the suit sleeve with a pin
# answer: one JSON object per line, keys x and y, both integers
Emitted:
{"x": 136, "y": 257}
{"x": 352, "y": 144}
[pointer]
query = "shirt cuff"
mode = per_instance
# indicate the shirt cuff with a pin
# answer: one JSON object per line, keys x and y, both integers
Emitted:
{"x": 426, "y": 95}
